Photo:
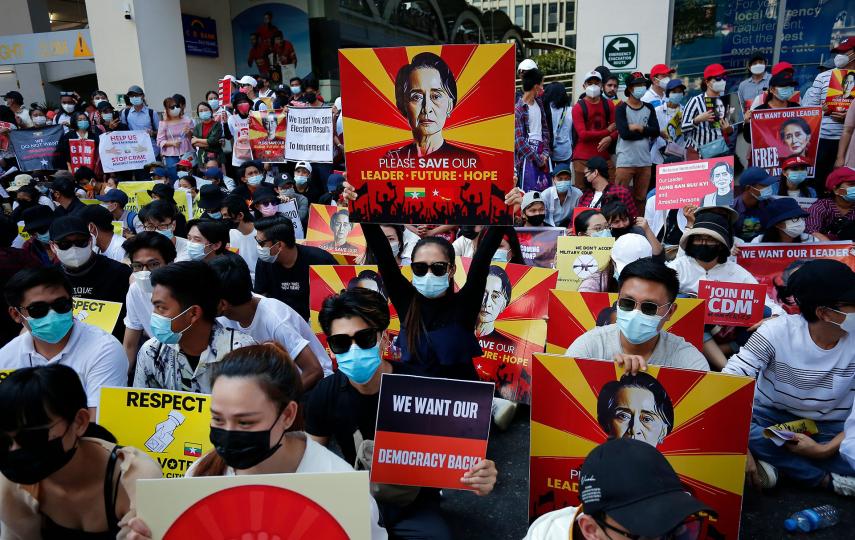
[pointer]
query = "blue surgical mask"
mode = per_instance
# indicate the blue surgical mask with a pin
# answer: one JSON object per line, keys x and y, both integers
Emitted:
{"x": 785, "y": 92}
{"x": 215, "y": 215}
{"x": 52, "y": 327}
{"x": 562, "y": 186}
{"x": 161, "y": 328}
{"x": 675, "y": 98}
{"x": 501, "y": 255}
{"x": 214, "y": 104}
{"x": 83, "y": 124}
{"x": 296, "y": 90}
{"x": 605, "y": 233}
{"x": 796, "y": 177}
{"x": 44, "y": 238}
{"x": 766, "y": 193}
{"x": 637, "y": 327}
{"x": 255, "y": 179}
{"x": 107, "y": 117}
{"x": 301, "y": 180}
{"x": 638, "y": 92}
{"x": 850, "y": 194}
{"x": 167, "y": 233}
{"x": 359, "y": 364}
{"x": 136, "y": 100}
{"x": 205, "y": 116}
{"x": 196, "y": 251}
{"x": 431, "y": 286}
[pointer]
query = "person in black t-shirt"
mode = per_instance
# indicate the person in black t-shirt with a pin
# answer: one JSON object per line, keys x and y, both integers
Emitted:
{"x": 344, "y": 405}
{"x": 282, "y": 270}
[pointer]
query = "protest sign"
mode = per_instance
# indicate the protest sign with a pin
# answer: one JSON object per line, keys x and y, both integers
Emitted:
{"x": 771, "y": 263}
{"x": 5, "y": 373}
{"x": 125, "y": 150}
{"x": 540, "y": 244}
{"x": 330, "y": 229}
{"x": 732, "y": 304}
{"x": 700, "y": 424}
{"x": 734, "y": 110}
{"x": 267, "y": 131}
{"x": 841, "y": 90}
{"x": 37, "y": 149}
{"x": 571, "y": 314}
{"x": 511, "y": 325}
{"x": 5, "y": 128}
{"x": 786, "y": 431}
{"x": 804, "y": 202}
{"x": 310, "y": 134}
{"x": 305, "y": 506}
{"x": 703, "y": 182}
{"x": 98, "y": 313}
{"x": 430, "y": 431}
{"x": 171, "y": 427}
{"x": 290, "y": 209}
{"x": 777, "y": 134}
{"x": 580, "y": 257}
{"x": 443, "y": 158}
{"x": 224, "y": 90}
{"x": 82, "y": 154}
{"x": 138, "y": 197}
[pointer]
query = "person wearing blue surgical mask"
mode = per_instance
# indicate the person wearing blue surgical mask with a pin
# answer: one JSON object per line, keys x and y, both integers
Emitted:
{"x": 782, "y": 87}
{"x": 637, "y": 128}
{"x": 302, "y": 175}
{"x": 561, "y": 198}
{"x": 80, "y": 130}
{"x": 758, "y": 188}
{"x": 794, "y": 175}
{"x": 251, "y": 175}
{"x": 207, "y": 134}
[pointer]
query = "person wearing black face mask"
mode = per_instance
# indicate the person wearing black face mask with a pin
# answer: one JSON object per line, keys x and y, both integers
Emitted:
{"x": 62, "y": 476}
{"x": 533, "y": 210}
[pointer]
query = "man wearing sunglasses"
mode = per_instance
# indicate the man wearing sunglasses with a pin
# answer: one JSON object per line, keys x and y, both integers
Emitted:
{"x": 629, "y": 491}
{"x": 40, "y": 299}
{"x": 646, "y": 301}
{"x": 344, "y": 405}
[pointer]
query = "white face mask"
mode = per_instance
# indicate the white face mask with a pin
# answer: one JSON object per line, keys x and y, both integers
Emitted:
{"x": 264, "y": 254}
{"x": 757, "y": 69}
{"x": 175, "y": 111}
{"x": 74, "y": 257}
{"x": 396, "y": 247}
{"x": 663, "y": 82}
{"x": 68, "y": 107}
{"x": 718, "y": 86}
{"x": 143, "y": 281}
{"x": 39, "y": 120}
{"x": 840, "y": 60}
{"x": 593, "y": 91}
{"x": 794, "y": 228}
{"x": 848, "y": 324}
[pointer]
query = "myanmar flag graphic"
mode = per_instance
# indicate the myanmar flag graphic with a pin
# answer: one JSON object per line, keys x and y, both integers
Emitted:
{"x": 192, "y": 449}
{"x": 414, "y": 193}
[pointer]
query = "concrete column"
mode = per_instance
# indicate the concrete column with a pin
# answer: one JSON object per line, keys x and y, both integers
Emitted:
{"x": 325, "y": 38}
{"x": 24, "y": 17}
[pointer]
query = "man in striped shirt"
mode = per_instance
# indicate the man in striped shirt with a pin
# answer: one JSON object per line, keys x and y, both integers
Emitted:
{"x": 805, "y": 370}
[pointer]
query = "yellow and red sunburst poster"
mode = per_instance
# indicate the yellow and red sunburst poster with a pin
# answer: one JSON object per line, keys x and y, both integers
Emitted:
{"x": 572, "y": 313}
{"x": 267, "y": 133}
{"x": 841, "y": 90}
{"x": 698, "y": 420}
{"x": 430, "y": 132}
{"x": 330, "y": 229}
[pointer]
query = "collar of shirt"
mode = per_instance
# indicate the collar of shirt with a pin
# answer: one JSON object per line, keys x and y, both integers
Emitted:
{"x": 28, "y": 347}
{"x": 220, "y": 341}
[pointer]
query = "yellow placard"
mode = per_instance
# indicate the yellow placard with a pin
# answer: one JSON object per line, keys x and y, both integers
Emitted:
{"x": 580, "y": 257}
{"x": 91, "y": 202}
{"x": 22, "y": 233}
{"x": 117, "y": 227}
{"x": 171, "y": 427}
{"x": 98, "y": 313}
{"x": 138, "y": 197}
{"x": 5, "y": 373}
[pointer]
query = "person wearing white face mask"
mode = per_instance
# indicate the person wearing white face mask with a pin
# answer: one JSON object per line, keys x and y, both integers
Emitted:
{"x": 758, "y": 81}
{"x": 660, "y": 76}
{"x": 174, "y": 133}
{"x": 67, "y": 105}
{"x": 784, "y": 221}
{"x": 706, "y": 131}
{"x": 594, "y": 128}
{"x": 638, "y": 129}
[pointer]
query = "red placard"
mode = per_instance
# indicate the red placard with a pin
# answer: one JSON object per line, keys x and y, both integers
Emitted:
{"x": 777, "y": 134}
{"x": 703, "y": 182}
{"x": 82, "y": 154}
{"x": 224, "y": 89}
{"x": 732, "y": 304}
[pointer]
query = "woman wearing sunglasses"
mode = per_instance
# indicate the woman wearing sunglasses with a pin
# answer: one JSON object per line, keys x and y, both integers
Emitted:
{"x": 60, "y": 478}
{"x": 437, "y": 323}
{"x": 703, "y": 120}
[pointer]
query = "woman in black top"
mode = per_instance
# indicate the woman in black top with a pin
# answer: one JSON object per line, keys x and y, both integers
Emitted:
{"x": 81, "y": 129}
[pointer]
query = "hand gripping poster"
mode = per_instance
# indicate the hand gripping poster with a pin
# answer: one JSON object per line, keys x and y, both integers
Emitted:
{"x": 698, "y": 420}
{"x": 430, "y": 133}
{"x": 267, "y": 133}
{"x": 778, "y": 134}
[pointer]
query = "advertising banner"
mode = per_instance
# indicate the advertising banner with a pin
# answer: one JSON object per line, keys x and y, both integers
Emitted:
{"x": 305, "y": 506}
{"x": 98, "y": 313}
{"x": 267, "y": 131}
{"x": 330, "y": 228}
{"x": 310, "y": 134}
{"x": 171, "y": 427}
{"x": 580, "y": 257}
{"x": 699, "y": 421}
{"x": 732, "y": 304}
{"x": 45, "y": 47}
{"x": 430, "y": 431}
{"x": 125, "y": 150}
{"x": 430, "y": 133}
{"x": 841, "y": 90}
{"x": 703, "y": 182}
{"x": 36, "y": 149}
{"x": 777, "y": 134}
{"x": 571, "y": 314}
{"x": 539, "y": 245}
{"x": 200, "y": 36}
{"x": 82, "y": 153}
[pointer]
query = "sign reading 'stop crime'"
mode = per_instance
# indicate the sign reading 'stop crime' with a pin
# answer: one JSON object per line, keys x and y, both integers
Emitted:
{"x": 429, "y": 133}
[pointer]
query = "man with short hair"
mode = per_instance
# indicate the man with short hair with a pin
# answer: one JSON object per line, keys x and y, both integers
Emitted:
{"x": 64, "y": 193}
{"x": 758, "y": 189}
{"x": 41, "y": 300}
{"x": 160, "y": 216}
{"x": 187, "y": 338}
{"x": 532, "y": 139}
{"x": 242, "y": 233}
{"x": 646, "y": 302}
{"x": 37, "y": 221}
{"x": 138, "y": 116}
{"x": 593, "y": 126}
{"x": 115, "y": 201}
{"x": 15, "y": 101}
{"x": 638, "y": 129}
{"x": 756, "y": 83}
{"x": 100, "y": 223}
{"x": 660, "y": 76}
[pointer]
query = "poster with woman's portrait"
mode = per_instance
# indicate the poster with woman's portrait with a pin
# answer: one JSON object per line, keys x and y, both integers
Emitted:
{"x": 841, "y": 90}
{"x": 430, "y": 133}
{"x": 330, "y": 229}
{"x": 267, "y": 133}
{"x": 778, "y": 134}
{"x": 698, "y": 420}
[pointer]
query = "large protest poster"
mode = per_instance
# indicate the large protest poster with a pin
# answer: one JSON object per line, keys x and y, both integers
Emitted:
{"x": 310, "y": 134}
{"x": 771, "y": 263}
{"x": 511, "y": 325}
{"x": 430, "y": 133}
{"x": 330, "y": 229}
{"x": 82, "y": 154}
{"x": 580, "y": 257}
{"x": 539, "y": 245}
{"x": 703, "y": 182}
{"x": 777, "y": 134}
{"x": 700, "y": 423}
{"x": 125, "y": 150}
{"x": 99, "y": 313}
{"x": 572, "y": 313}
{"x": 305, "y": 506}
{"x": 841, "y": 90}
{"x": 138, "y": 197}
{"x": 267, "y": 133}
{"x": 37, "y": 149}
{"x": 171, "y": 427}
{"x": 732, "y": 304}
{"x": 430, "y": 431}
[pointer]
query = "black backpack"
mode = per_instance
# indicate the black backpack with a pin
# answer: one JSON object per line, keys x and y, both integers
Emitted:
{"x": 574, "y": 135}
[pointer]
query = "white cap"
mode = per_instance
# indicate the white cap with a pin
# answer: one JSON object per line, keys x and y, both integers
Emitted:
{"x": 230, "y": 77}
{"x": 526, "y": 65}
{"x": 305, "y": 164}
{"x": 338, "y": 103}
{"x": 592, "y": 75}
{"x": 629, "y": 248}
{"x": 246, "y": 79}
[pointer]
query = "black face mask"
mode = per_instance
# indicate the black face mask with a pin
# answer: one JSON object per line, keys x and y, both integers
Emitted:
{"x": 536, "y": 220}
{"x": 704, "y": 253}
{"x": 32, "y": 465}
{"x": 618, "y": 232}
{"x": 244, "y": 449}
{"x": 310, "y": 97}
{"x": 468, "y": 231}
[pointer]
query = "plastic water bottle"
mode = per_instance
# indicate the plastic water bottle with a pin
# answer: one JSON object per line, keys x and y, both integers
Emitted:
{"x": 811, "y": 519}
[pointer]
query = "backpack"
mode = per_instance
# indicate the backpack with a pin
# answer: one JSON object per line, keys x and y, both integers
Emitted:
{"x": 124, "y": 117}
{"x": 129, "y": 220}
{"x": 574, "y": 135}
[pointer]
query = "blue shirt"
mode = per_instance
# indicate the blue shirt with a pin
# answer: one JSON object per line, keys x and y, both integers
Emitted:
{"x": 141, "y": 119}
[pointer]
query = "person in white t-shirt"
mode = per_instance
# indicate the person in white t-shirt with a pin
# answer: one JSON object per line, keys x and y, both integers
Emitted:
{"x": 242, "y": 235}
{"x": 254, "y": 403}
{"x": 100, "y": 223}
{"x": 159, "y": 216}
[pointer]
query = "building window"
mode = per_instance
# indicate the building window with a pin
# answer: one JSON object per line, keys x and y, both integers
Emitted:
{"x": 535, "y": 18}
{"x": 570, "y": 10}
{"x": 552, "y": 17}
{"x": 570, "y": 41}
{"x": 519, "y": 16}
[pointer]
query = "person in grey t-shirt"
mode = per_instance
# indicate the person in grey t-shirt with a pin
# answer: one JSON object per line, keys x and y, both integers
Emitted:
{"x": 637, "y": 128}
{"x": 645, "y": 303}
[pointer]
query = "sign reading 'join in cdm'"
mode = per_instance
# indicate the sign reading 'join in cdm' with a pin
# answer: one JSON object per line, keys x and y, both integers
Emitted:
{"x": 45, "y": 47}
{"x": 620, "y": 52}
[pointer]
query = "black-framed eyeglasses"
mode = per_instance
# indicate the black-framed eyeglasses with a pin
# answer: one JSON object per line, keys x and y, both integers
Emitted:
{"x": 37, "y": 310}
{"x": 66, "y": 244}
{"x": 150, "y": 265}
{"x": 151, "y": 227}
{"x": 437, "y": 268}
{"x": 364, "y": 339}
{"x": 32, "y": 437}
{"x": 693, "y": 528}
{"x": 647, "y": 308}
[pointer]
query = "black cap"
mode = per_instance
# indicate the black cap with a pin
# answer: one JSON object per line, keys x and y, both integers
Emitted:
{"x": 811, "y": 283}
{"x": 37, "y": 217}
{"x": 163, "y": 191}
{"x": 64, "y": 186}
{"x": 211, "y": 197}
{"x": 710, "y": 224}
{"x": 598, "y": 164}
{"x": 264, "y": 194}
{"x": 67, "y": 225}
{"x": 97, "y": 214}
{"x": 635, "y": 78}
{"x": 633, "y": 483}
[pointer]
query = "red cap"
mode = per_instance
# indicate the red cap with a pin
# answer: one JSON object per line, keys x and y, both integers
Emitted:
{"x": 714, "y": 70}
{"x": 185, "y": 163}
{"x": 845, "y": 46}
{"x": 794, "y": 161}
{"x": 781, "y": 66}
{"x": 661, "y": 69}
{"x": 838, "y": 176}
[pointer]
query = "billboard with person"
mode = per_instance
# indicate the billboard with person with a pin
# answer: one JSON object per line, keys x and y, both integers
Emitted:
{"x": 271, "y": 39}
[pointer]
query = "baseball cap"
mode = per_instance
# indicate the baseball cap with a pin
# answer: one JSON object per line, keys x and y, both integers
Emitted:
{"x": 633, "y": 483}
{"x": 20, "y": 181}
{"x": 264, "y": 194}
{"x": 304, "y": 164}
{"x": 838, "y": 176}
{"x": 15, "y": 96}
{"x": 334, "y": 181}
{"x": 134, "y": 89}
{"x": 246, "y": 79}
{"x": 66, "y": 226}
{"x": 114, "y": 195}
{"x": 845, "y": 46}
{"x": 37, "y": 218}
{"x": 163, "y": 191}
{"x": 63, "y": 185}
{"x": 710, "y": 224}
{"x": 794, "y": 161}
{"x": 592, "y": 75}
{"x": 530, "y": 198}
{"x": 527, "y": 64}
{"x": 211, "y": 197}
{"x": 629, "y": 248}
{"x": 779, "y": 210}
{"x": 756, "y": 176}
{"x": 184, "y": 163}
{"x": 714, "y": 70}
{"x": 661, "y": 69}
{"x": 810, "y": 283}
{"x": 782, "y": 66}
{"x": 598, "y": 164}
{"x": 560, "y": 169}
{"x": 784, "y": 78}
{"x": 674, "y": 84}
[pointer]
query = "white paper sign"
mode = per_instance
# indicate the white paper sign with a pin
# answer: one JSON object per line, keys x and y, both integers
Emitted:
{"x": 125, "y": 150}
{"x": 290, "y": 209}
{"x": 310, "y": 134}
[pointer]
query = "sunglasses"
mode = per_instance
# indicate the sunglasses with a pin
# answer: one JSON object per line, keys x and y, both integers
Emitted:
{"x": 364, "y": 339}
{"x": 438, "y": 268}
{"x": 37, "y": 310}
{"x": 34, "y": 437}
{"x": 647, "y": 308}
{"x": 692, "y": 528}
{"x": 66, "y": 244}
{"x": 720, "y": 78}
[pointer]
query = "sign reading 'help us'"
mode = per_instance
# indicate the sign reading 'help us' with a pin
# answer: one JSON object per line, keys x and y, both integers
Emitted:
{"x": 732, "y": 304}
{"x": 430, "y": 431}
